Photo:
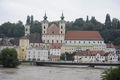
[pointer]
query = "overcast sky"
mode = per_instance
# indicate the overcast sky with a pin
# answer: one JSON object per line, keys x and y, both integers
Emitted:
{"x": 14, "y": 10}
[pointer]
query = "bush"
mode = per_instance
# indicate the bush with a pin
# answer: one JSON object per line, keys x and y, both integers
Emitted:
{"x": 9, "y": 58}
{"x": 111, "y": 74}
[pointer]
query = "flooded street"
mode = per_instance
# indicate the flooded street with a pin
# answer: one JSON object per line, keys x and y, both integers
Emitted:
{"x": 27, "y": 72}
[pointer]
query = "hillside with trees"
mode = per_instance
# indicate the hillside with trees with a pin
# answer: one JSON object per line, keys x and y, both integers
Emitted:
{"x": 110, "y": 29}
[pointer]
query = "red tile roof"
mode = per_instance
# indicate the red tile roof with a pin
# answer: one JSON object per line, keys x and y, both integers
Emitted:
{"x": 110, "y": 45}
{"x": 55, "y": 46}
{"x": 83, "y": 35}
{"x": 53, "y": 29}
{"x": 88, "y": 53}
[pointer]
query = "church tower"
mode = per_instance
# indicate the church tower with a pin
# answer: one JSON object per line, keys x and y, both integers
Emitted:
{"x": 62, "y": 25}
{"x": 44, "y": 25}
{"x": 27, "y": 30}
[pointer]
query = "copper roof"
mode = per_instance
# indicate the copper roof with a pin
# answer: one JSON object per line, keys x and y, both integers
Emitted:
{"x": 83, "y": 35}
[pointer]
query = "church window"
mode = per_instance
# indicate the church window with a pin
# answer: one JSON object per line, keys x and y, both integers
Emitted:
{"x": 44, "y": 27}
{"x": 61, "y": 27}
{"x": 26, "y": 29}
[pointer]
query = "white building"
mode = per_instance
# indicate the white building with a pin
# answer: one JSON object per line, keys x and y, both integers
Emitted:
{"x": 110, "y": 48}
{"x": 111, "y": 57}
{"x": 36, "y": 54}
{"x": 90, "y": 56}
{"x": 55, "y": 50}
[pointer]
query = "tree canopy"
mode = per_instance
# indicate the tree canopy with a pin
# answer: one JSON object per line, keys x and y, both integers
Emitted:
{"x": 9, "y": 58}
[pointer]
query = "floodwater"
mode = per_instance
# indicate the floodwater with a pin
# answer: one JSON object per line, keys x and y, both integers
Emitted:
{"x": 28, "y": 72}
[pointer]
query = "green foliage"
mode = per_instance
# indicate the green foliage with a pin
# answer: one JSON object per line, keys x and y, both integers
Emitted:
{"x": 12, "y": 30}
{"x": 69, "y": 56}
{"x": 9, "y": 58}
{"x": 117, "y": 41}
{"x": 111, "y": 74}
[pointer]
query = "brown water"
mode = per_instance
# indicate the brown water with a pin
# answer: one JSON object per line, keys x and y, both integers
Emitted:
{"x": 25, "y": 72}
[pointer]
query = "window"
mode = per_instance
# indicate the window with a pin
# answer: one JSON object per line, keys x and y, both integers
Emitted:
{"x": 26, "y": 29}
{"x": 61, "y": 41}
{"x": 61, "y": 32}
{"x": 52, "y": 41}
{"x": 44, "y": 27}
{"x": 74, "y": 41}
{"x": 61, "y": 27}
{"x": 57, "y": 41}
{"x": 44, "y": 31}
{"x": 53, "y": 32}
{"x": 48, "y": 41}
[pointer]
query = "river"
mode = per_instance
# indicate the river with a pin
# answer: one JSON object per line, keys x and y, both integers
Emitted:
{"x": 27, "y": 72}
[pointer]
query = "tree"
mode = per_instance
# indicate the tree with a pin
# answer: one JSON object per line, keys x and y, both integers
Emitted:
{"x": 69, "y": 56}
{"x": 107, "y": 22}
{"x": 117, "y": 41}
{"x": 114, "y": 23}
{"x": 111, "y": 74}
{"x": 9, "y": 58}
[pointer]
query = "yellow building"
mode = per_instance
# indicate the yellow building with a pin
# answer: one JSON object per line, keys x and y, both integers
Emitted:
{"x": 23, "y": 45}
{"x": 70, "y": 48}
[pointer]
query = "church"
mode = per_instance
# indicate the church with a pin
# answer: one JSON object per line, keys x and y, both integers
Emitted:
{"x": 57, "y": 40}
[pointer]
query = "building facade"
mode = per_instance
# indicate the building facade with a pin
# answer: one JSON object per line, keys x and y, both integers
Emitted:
{"x": 36, "y": 54}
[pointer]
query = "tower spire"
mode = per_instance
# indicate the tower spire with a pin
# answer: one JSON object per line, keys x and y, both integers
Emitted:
{"x": 62, "y": 17}
{"x": 45, "y": 17}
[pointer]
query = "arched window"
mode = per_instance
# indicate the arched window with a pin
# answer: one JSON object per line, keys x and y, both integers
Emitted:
{"x": 61, "y": 27}
{"x": 44, "y": 27}
{"x": 26, "y": 29}
{"x": 61, "y": 32}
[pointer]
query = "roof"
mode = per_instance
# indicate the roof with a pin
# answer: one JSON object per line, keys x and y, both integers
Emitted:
{"x": 55, "y": 46}
{"x": 83, "y": 35}
{"x": 110, "y": 45}
{"x": 53, "y": 29}
{"x": 90, "y": 53}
